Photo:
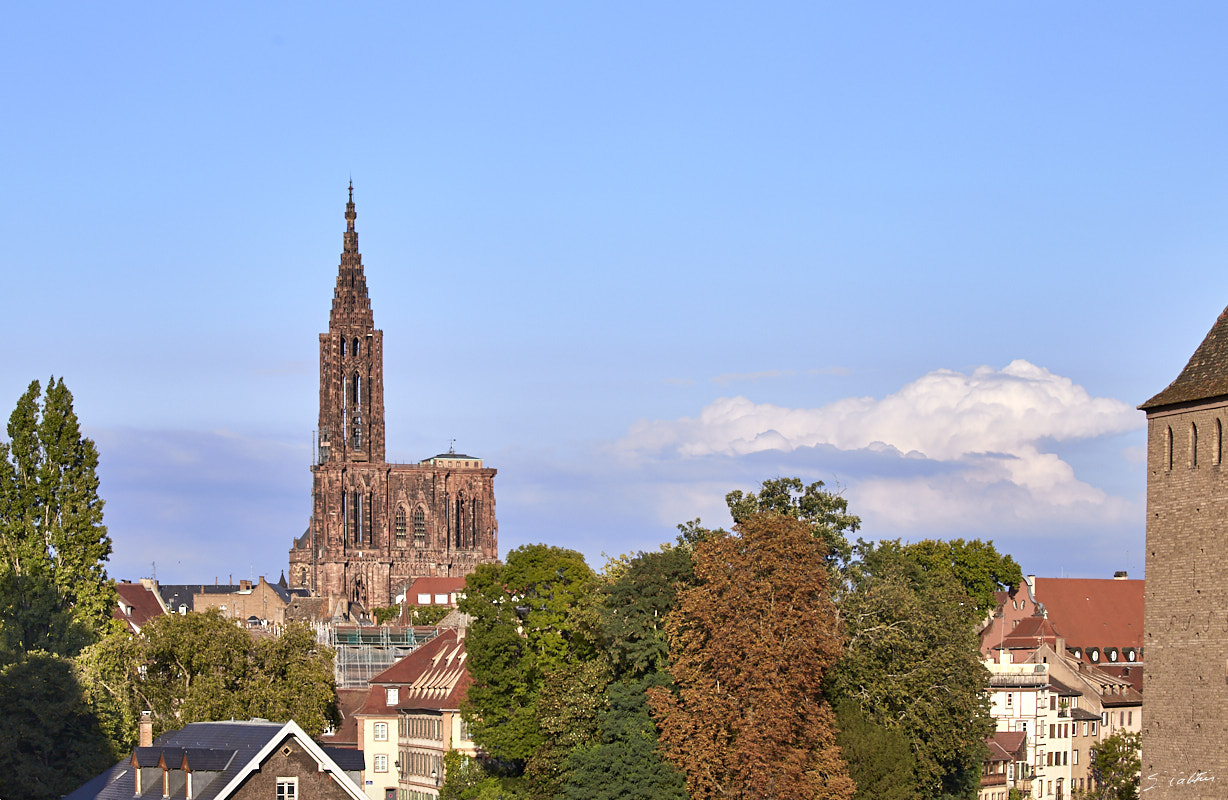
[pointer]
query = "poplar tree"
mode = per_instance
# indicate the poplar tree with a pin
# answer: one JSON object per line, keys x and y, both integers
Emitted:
{"x": 55, "y": 595}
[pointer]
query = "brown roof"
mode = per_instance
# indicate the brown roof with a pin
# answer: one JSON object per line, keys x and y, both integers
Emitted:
{"x": 1006, "y": 746}
{"x": 433, "y": 676}
{"x": 348, "y": 703}
{"x": 1029, "y": 633}
{"x": 1206, "y": 374}
{"x": 1094, "y": 612}
{"x": 1127, "y": 672}
{"x": 137, "y": 605}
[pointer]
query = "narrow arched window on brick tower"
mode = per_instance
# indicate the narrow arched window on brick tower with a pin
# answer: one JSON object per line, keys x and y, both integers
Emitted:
{"x": 1168, "y": 447}
{"x": 1193, "y": 445}
{"x": 343, "y": 347}
{"x": 400, "y": 526}
{"x": 357, "y": 347}
{"x": 1217, "y": 447}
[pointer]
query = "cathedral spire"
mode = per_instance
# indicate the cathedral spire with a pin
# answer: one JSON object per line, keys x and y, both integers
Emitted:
{"x": 351, "y": 305}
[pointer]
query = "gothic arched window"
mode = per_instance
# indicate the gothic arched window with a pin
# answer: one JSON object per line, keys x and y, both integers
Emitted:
{"x": 419, "y": 528}
{"x": 1217, "y": 447}
{"x": 400, "y": 526}
{"x": 343, "y": 347}
{"x": 357, "y": 347}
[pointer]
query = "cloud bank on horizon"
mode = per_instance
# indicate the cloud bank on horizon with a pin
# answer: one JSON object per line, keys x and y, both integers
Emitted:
{"x": 980, "y": 442}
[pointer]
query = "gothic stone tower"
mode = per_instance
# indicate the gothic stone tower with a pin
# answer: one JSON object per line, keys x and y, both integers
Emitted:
{"x": 1186, "y": 599}
{"x": 376, "y": 526}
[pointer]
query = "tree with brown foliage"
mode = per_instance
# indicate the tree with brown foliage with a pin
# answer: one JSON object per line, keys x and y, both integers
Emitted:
{"x": 749, "y": 645}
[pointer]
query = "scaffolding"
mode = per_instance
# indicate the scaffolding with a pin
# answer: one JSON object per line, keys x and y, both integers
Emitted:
{"x": 364, "y": 652}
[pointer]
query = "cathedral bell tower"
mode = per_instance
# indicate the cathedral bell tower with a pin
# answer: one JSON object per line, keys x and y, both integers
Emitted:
{"x": 375, "y": 527}
{"x": 351, "y": 426}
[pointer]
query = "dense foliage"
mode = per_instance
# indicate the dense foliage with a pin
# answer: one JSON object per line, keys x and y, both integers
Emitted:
{"x": 911, "y": 663}
{"x": 710, "y": 668}
{"x": 1117, "y": 766}
{"x": 749, "y": 645}
{"x": 54, "y": 592}
{"x": 198, "y": 667}
{"x": 55, "y": 597}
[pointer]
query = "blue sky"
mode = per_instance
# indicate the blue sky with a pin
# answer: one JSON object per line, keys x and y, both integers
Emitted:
{"x": 635, "y": 255}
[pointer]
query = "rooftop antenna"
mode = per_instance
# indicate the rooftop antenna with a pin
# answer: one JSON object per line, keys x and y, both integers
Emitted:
{"x": 154, "y": 564}
{"x": 452, "y": 448}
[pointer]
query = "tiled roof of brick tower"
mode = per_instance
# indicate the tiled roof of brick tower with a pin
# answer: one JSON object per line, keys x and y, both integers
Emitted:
{"x": 351, "y": 305}
{"x": 1206, "y": 374}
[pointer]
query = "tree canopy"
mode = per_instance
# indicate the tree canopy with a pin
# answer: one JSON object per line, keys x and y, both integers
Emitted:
{"x": 533, "y": 616}
{"x": 823, "y": 511}
{"x": 54, "y": 591}
{"x": 749, "y": 645}
{"x": 1117, "y": 767}
{"x": 198, "y": 667}
{"x": 911, "y": 663}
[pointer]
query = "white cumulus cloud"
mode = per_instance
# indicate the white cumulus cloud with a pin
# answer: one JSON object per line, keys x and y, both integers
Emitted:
{"x": 944, "y": 415}
{"x": 984, "y": 435}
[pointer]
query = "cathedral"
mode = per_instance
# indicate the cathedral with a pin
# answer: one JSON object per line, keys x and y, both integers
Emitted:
{"x": 377, "y": 526}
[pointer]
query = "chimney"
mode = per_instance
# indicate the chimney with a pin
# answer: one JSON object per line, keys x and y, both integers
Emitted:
{"x": 145, "y": 729}
{"x": 1120, "y": 575}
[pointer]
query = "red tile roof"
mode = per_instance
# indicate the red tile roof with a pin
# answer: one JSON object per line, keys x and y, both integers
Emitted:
{"x": 1094, "y": 612}
{"x": 1006, "y": 745}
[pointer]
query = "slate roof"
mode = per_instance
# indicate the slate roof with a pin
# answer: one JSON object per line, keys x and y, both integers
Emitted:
{"x": 175, "y": 595}
{"x": 1206, "y": 374}
{"x": 218, "y": 754}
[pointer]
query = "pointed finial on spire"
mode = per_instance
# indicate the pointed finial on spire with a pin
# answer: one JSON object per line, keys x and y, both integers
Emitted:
{"x": 349, "y": 220}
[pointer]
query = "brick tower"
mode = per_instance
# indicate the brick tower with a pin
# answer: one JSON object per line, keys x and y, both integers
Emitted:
{"x": 376, "y": 526}
{"x": 1185, "y": 723}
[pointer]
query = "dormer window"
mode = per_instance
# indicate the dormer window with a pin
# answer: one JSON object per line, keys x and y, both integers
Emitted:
{"x": 392, "y": 696}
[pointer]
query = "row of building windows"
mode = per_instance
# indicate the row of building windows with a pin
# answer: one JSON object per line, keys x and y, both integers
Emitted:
{"x": 422, "y": 765}
{"x": 1061, "y": 758}
{"x": 420, "y": 727}
{"x": 1217, "y": 445}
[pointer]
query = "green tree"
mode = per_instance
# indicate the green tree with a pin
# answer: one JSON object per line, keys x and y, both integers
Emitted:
{"x": 1117, "y": 767}
{"x": 636, "y": 605}
{"x": 749, "y": 645}
{"x": 52, "y": 740}
{"x": 533, "y": 616}
{"x": 825, "y": 512}
{"x": 911, "y": 663}
{"x": 199, "y": 667}
{"x": 54, "y": 591}
{"x": 975, "y": 565}
{"x": 625, "y": 764}
{"x": 290, "y": 677}
{"x": 880, "y": 759}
